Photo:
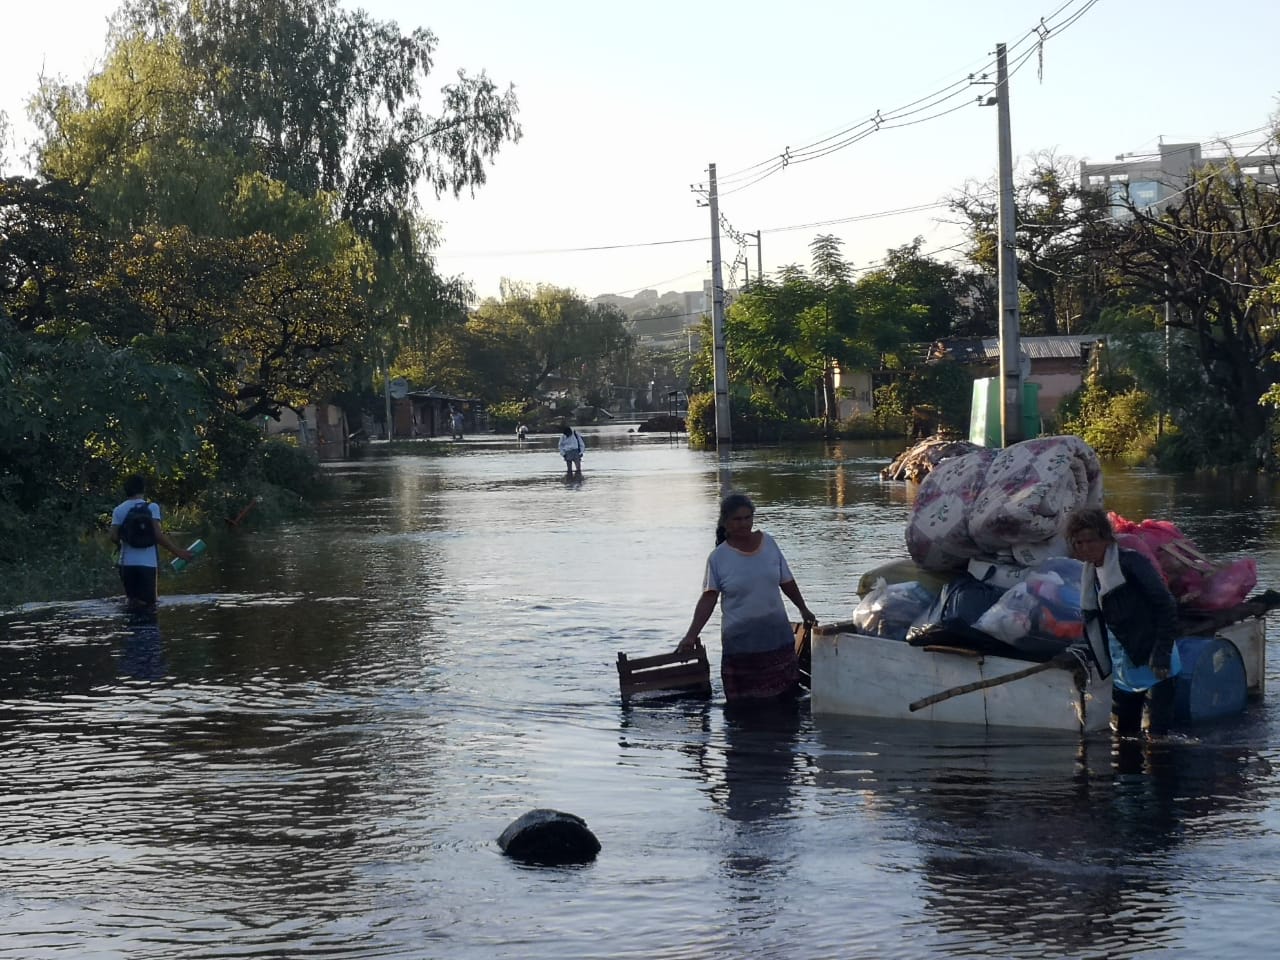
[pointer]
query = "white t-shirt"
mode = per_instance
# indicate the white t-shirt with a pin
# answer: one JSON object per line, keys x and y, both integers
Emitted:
{"x": 753, "y": 618}
{"x": 136, "y": 556}
{"x": 573, "y": 445}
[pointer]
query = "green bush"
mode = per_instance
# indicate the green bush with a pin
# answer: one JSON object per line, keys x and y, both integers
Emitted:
{"x": 506, "y": 416}
{"x": 284, "y": 464}
{"x": 1119, "y": 426}
{"x": 700, "y": 421}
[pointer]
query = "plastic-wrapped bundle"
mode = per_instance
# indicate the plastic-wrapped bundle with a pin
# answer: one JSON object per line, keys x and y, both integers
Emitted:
{"x": 1040, "y": 616}
{"x": 1028, "y": 490}
{"x": 891, "y": 608}
{"x": 938, "y": 531}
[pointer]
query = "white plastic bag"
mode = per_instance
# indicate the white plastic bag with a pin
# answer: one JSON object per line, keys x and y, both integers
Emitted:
{"x": 890, "y": 609}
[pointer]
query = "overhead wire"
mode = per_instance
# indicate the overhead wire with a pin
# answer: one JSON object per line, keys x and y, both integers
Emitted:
{"x": 854, "y": 133}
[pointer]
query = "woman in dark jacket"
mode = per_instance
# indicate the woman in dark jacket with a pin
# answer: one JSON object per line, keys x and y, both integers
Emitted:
{"x": 1130, "y": 598}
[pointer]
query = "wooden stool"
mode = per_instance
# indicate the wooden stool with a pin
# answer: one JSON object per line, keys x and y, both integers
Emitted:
{"x": 668, "y": 674}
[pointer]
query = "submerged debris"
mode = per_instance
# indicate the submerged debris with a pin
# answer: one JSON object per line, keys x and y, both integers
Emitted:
{"x": 916, "y": 462}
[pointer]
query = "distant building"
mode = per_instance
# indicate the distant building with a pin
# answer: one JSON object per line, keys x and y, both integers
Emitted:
{"x": 1058, "y": 364}
{"x": 1150, "y": 180}
{"x": 320, "y": 428}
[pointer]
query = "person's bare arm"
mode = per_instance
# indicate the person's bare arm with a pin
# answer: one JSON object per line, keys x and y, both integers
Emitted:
{"x": 792, "y": 591}
{"x": 701, "y": 614}
{"x": 166, "y": 541}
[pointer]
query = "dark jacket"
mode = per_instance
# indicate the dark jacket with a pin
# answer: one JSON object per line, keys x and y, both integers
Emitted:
{"x": 1142, "y": 612}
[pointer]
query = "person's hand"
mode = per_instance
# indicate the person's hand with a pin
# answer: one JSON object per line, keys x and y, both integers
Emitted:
{"x": 689, "y": 643}
{"x": 1161, "y": 673}
{"x": 186, "y": 555}
{"x": 806, "y": 615}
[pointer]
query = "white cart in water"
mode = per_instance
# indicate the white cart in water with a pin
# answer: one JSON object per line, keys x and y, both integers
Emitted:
{"x": 863, "y": 676}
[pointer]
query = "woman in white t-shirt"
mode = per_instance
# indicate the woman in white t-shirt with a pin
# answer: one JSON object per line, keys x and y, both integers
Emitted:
{"x": 572, "y": 447}
{"x": 747, "y": 570}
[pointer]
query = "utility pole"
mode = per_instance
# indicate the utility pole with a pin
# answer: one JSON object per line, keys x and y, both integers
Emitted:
{"x": 1010, "y": 348}
{"x": 759, "y": 260}
{"x": 724, "y": 435}
{"x": 1164, "y": 405}
{"x": 386, "y": 391}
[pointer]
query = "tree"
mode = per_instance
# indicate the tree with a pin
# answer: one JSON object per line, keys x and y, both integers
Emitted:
{"x": 1063, "y": 284}
{"x": 936, "y": 286}
{"x": 796, "y": 330}
{"x": 203, "y": 110}
{"x": 329, "y": 100}
{"x": 1210, "y": 254}
{"x": 511, "y": 346}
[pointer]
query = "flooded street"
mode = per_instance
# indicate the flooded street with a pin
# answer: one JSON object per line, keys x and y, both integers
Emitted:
{"x": 314, "y": 749}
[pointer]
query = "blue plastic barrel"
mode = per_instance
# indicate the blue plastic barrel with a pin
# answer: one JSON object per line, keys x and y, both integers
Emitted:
{"x": 1212, "y": 682}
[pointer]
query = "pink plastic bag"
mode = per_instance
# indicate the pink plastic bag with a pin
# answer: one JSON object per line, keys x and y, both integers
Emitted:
{"x": 1217, "y": 589}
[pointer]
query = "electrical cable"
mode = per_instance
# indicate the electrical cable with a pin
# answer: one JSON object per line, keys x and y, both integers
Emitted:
{"x": 852, "y": 134}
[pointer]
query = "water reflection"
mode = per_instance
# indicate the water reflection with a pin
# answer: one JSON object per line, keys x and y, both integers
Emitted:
{"x": 142, "y": 651}
{"x": 314, "y": 746}
{"x": 1032, "y": 845}
{"x": 760, "y": 767}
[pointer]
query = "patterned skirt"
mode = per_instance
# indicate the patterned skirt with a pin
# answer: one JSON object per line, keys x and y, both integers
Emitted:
{"x": 758, "y": 676}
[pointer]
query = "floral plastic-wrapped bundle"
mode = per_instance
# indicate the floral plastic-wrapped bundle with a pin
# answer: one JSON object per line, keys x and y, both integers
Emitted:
{"x": 938, "y": 532}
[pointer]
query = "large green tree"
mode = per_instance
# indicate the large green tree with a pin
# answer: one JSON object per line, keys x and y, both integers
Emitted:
{"x": 232, "y": 119}
{"x": 511, "y": 347}
{"x": 795, "y": 331}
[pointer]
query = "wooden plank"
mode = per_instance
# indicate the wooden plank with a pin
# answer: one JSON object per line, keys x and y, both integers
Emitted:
{"x": 699, "y": 654}
{"x": 699, "y": 684}
{"x": 1188, "y": 555}
{"x": 961, "y": 651}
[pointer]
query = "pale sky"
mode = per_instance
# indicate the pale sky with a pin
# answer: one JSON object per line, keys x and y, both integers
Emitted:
{"x": 624, "y": 105}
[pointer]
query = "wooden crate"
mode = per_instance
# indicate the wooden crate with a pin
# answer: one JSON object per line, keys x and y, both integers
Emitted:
{"x": 804, "y": 649}
{"x": 668, "y": 674}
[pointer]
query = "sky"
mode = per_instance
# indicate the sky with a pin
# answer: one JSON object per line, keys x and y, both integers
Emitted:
{"x": 625, "y": 106}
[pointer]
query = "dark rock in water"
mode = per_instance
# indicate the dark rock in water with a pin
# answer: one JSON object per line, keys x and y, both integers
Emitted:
{"x": 549, "y": 838}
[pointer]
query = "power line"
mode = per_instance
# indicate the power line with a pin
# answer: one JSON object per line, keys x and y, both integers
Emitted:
{"x": 658, "y": 243}
{"x": 751, "y": 175}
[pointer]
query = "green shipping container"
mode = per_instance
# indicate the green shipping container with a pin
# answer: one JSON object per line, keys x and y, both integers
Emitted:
{"x": 984, "y": 420}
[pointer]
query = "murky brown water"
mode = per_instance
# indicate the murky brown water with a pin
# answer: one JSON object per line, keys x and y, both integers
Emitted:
{"x": 313, "y": 751}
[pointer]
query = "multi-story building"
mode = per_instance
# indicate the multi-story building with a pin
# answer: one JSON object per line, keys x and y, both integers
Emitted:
{"x": 1151, "y": 180}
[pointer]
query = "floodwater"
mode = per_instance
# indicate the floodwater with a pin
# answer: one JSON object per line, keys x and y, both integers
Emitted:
{"x": 312, "y": 751}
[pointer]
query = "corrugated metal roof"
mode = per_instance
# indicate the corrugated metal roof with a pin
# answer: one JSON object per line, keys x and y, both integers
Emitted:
{"x": 973, "y": 350}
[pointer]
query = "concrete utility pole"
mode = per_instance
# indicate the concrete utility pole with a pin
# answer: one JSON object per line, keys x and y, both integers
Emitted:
{"x": 1010, "y": 348}
{"x": 759, "y": 260}
{"x": 724, "y": 436}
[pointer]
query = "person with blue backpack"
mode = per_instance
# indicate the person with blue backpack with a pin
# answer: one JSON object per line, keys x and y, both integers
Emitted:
{"x": 135, "y": 527}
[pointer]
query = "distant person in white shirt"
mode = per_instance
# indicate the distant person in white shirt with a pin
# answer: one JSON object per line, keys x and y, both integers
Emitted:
{"x": 572, "y": 447}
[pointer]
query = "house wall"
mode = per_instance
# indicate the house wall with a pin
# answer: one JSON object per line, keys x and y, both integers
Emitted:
{"x": 1058, "y": 378}
{"x": 857, "y": 384}
{"x": 322, "y": 429}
